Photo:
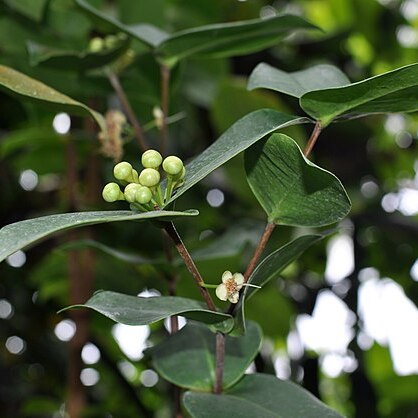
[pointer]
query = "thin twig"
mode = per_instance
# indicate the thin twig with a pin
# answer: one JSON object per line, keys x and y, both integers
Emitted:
{"x": 188, "y": 261}
{"x": 172, "y": 281}
{"x": 165, "y": 82}
{"x": 220, "y": 360}
{"x": 127, "y": 108}
{"x": 260, "y": 247}
{"x": 312, "y": 140}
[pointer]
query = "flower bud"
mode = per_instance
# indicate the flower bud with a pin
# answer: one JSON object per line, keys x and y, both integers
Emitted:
{"x": 143, "y": 195}
{"x": 96, "y": 44}
{"x": 111, "y": 193}
{"x": 158, "y": 116}
{"x": 130, "y": 192}
{"x": 111, "y": 41}
{"x": 172, "y": 165}
{"x": 151, "y": 159}
{"x": 182, "y": 174}
{"x": 149, "y": 177}
{"x": 123, "y": 171}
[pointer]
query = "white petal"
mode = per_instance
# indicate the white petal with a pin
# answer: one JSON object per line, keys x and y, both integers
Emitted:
{"x": 226, "y": 276}
{"x": 234, "y": 297}
{"x": 239, "y": 279}
{"x": 221, "y": 292}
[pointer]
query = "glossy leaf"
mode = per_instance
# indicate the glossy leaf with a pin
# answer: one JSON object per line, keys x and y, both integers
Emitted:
{"x": 187, "y": 358}
{"x": 269, "y": 269}
{"x": 241, "y": 135}
{"x": 291, "y": 189}
{"x": 258, "y": 395}
{"x": 394, "y": 91}
{"x": 298, "y": 83}
{"x": 21, "y": 85}
{"x": 34, "y": 10}
{"x": 148, "y": 34}
{"x": 219, "y": 40}
{"x": 229, "y": 39}
{"x": 135, "y": 310}
{"x": 21, "y": 234}
{"x": 74, "y": 60}
{"x": 127, "y": 257}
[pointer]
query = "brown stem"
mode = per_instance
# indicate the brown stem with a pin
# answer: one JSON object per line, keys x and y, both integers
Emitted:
{"x": 220, "y": 360}
{"x": 127, "y": 108}
{"x": 172, "y": 281}
{"x": 188, "y": 261}
{"x": 260, "y": 247}
{"x": 165, "y": 81}
{"x": 312, "y": 140}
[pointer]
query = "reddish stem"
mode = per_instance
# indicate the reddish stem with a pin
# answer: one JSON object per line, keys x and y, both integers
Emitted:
{"x": 257, "y": 253}
{"x": 312, "y": 140}
{"x": 188, "y": 261}
{"x": 220, "y": 361}
{"x": 165, "y": 81}
{"x": 127, "y": 108}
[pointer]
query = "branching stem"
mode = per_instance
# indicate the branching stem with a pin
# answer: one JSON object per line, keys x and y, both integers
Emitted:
{"x": 312, "y": 140}
{"x": 165, "y": 83}
{"x": 188, "y": 261}
{"x": 127, "y": 108}
{"x": 257, "y": 253}
{"x": 220, "y": 360}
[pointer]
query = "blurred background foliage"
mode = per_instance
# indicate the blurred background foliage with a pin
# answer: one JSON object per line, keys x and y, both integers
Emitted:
{"x": 342, "y": 320}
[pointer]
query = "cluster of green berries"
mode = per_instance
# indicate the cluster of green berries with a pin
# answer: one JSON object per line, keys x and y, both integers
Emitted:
{"x": 98, "y": 44}
{"x": 143, "y": 190}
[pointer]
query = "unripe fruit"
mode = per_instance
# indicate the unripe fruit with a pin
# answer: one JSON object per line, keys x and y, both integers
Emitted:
{"x": 96, "y": 44}
{"x": 122, "y": 171}
{"x": 112, "y": 193}
{"x": 130, "y": 192}
{"x": 151, "y": 159}
{"x": 183, "y": 174}
{"x": 143, "y": 195}
{"x": 110, "y": 41}
{"x": 149, "y": 177}
{"x": 172, "y": 165}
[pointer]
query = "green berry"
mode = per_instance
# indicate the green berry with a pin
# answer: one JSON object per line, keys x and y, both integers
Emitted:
{"x": 112, "y": 193}
{"x": 151, "y": 159}
{"x": 96, "y": 44}
{"x": 143, "y": 195}
{"x": 183, "y": 174}
{"x": 149, "y": 177}
{"x": 172, "y": 165}
{"x": 130, "y": 192}
{"x": 123, "y": 171}
{"x": 110, "y": 41}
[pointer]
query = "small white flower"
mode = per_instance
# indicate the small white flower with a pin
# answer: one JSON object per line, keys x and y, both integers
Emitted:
{"x": 230, "y": 286}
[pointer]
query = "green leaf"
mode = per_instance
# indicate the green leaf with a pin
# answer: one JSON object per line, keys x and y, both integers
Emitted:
{"x": 269, "y": 269}
{"x": 241, "y": 135}
{"x": 127, "y": 257}
{"x": 394, "y": 91}
{"x": 187, "y": 358}
{"x": 135, "y": 310}
{"x": 32, "y": 9}
{"x": 148, "y": 34}
{"x": 229, "y": 39}
{"x": 298, "y": 83}
{"x": 231, "y": 243}
{"x": 74, "y": 60}
{"x": 291, "y": 189}
{"x": 258, "y": 395}
{"x": 19, "y": 235}
{"x": 21, "y": 85}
